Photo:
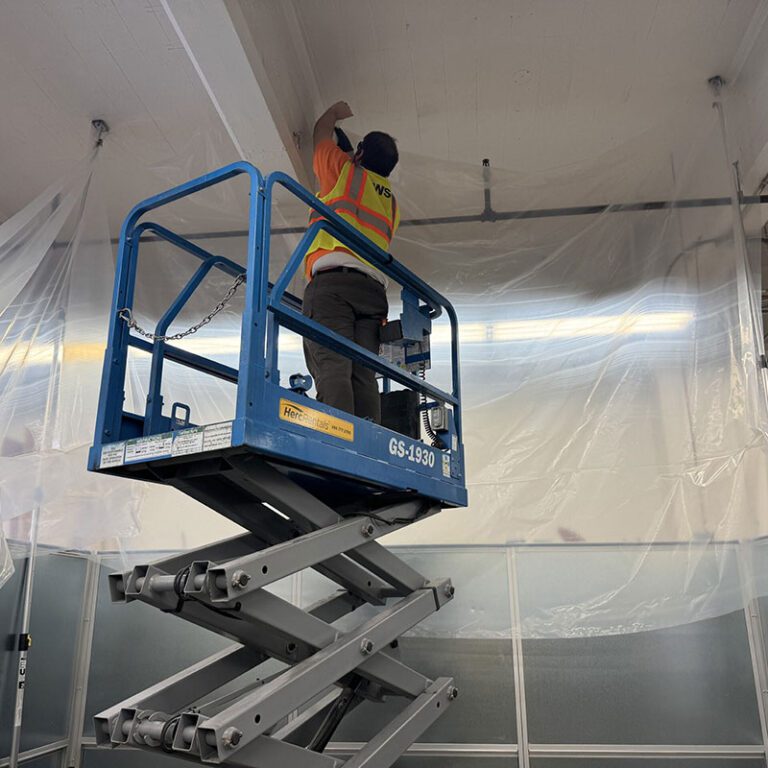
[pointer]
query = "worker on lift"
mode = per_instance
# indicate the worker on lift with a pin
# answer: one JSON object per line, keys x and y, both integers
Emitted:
{"x": 346, "y": 293}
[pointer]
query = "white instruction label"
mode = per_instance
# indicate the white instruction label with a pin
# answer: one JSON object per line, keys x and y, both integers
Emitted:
{"x": 112, "y": 455}
{"x": 454, "y": 443}
{"x": 21, "y": 684}
{"x": 183, "y": 443}
{"x": 150, "y": 447}
{"x": 217, "y": 436}
{"x": 188, "y": 441}
{"x": 446, "y": 465}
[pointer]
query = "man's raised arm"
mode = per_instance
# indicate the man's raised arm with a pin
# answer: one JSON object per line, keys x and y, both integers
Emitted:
{"x": 327, "y": 121}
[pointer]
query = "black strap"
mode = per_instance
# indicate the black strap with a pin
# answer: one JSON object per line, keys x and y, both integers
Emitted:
{"x": 342, "y": 140}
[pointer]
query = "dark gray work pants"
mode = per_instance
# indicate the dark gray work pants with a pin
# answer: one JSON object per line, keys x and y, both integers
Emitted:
{"x": 354, "y": 305}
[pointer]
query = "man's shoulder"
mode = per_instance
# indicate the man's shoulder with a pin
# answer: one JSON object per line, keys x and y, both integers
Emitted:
{"x": 326, "y": 151}
{"x": 328, "y": 161}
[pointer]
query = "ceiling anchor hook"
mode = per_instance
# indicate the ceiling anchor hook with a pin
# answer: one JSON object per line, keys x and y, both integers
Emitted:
{"x": 101, "y": 128}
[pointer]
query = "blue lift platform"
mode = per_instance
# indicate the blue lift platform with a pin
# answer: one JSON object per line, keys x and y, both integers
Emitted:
{"x": 314, "y": 487}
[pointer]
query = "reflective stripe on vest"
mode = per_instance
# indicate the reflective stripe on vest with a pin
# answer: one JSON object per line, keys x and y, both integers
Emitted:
{"x": 370, "y": 219}
{"x": 362, "y": 204}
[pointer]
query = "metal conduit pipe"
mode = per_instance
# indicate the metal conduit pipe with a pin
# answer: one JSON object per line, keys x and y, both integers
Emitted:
{"x": 489, "y": 215}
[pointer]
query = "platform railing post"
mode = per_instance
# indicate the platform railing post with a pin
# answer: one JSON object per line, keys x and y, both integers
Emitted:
{"x": 253, "y": 335}
{"x": 272, "y": 329}
{"x": 112, "y": 390}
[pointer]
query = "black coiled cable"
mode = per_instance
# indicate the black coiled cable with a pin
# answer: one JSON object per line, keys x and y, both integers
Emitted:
{"x": 436, "y": 441}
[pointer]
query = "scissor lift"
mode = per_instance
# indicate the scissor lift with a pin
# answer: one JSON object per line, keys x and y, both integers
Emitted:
{"x": 314, "y": 488}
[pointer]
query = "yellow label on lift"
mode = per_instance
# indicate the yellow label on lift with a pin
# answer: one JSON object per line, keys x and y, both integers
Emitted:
{"x": 317, "y": 420}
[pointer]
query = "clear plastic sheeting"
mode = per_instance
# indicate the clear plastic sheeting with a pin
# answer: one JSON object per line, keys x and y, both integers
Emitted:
{"x": 613, "y": 394}
{"x": 57, "y": 268}
{"x": 613, "y": 402}
{"x": 614, "y": 407}
{"x": 612, "y": 388}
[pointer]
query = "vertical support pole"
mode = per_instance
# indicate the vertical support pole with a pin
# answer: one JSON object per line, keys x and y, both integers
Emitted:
{"x": 523, "y": 757}
{"x": 82, "y": 665}
{"x": 757, "y": 646}
{"x": 26, "y": 611}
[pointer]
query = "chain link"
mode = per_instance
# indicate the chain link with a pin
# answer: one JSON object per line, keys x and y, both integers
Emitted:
{"x": 127, "y": 315}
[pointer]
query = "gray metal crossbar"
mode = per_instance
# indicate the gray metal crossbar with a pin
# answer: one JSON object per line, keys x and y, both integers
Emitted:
{"x": 286, "y": 717}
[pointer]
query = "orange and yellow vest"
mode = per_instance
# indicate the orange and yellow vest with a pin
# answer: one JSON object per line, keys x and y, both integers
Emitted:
{"x": 364, "y": 200}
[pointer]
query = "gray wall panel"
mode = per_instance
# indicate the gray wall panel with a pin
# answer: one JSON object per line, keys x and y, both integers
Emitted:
{"x": 485, "y": 709}
{"x": 53, "y": 760}
{"x": 683, "y": 685}
{"x": 56, "y": 609}
{"x": 456, "y": 762}
{"x": 646, "y": 762}
{"x": 128, "y": 758}
{"x": 10, "y": 616}
{"x": 96, "y": 758}
{"x": 54, "y": 621}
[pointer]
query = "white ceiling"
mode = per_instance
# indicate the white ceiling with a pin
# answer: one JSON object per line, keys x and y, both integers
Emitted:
{"x": 65, "y": 62}
{"x": 531, "y": 84}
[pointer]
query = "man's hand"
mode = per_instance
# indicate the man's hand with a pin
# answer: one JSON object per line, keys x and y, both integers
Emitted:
{"x": 341, "y": 110}
{"x": 327, "y": 121}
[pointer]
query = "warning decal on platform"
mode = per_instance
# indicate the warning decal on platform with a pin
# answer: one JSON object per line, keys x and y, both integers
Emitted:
{"x": 217, "y": 436}
{"x": 187, "y": 441}
{"x": 317, "y": 420}
{"x": 211, "y": 437}
{"x": 112, "y": 455}
{"x": 151, "y": 447}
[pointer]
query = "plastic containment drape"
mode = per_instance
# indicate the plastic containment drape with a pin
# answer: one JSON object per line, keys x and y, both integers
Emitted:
{"x": 610, "y": 361}
{"x": 56, "y": 266}
{"x": 614, "y": 406}
{"x": 615, "y": 425}
{"x": 614, "y": 401}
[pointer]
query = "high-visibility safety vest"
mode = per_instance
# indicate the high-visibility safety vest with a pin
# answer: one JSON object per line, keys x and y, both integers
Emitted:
{"x": 363, "y": 199}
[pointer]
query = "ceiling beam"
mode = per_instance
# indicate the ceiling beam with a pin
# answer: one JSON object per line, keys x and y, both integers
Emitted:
{"x": 209, "y": 36}
{"x": 273, "y": 42}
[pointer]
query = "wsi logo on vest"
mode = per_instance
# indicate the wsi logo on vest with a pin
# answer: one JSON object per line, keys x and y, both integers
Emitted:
{"x": 382, "y": 190}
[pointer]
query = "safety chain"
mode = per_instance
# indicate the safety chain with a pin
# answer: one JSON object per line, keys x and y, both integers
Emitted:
{"x": 127, "y": 315}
